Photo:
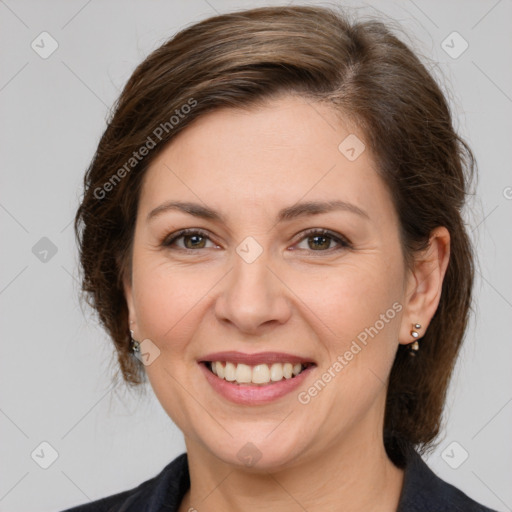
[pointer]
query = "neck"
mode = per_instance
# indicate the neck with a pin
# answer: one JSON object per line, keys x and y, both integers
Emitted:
{"x": 352, "y": 475}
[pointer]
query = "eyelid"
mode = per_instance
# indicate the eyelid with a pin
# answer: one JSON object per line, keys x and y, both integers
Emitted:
{"x": 342, "y": 241}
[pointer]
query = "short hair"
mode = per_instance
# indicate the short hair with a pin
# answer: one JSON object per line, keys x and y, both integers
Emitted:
{"x": 368, "y": 76}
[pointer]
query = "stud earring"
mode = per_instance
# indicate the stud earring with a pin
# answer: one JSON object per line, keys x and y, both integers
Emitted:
{"x": 135, "y": 345}
{"x": 414, "y": 346}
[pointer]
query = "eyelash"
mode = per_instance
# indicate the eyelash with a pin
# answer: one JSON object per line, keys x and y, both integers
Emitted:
{"x": 342, "y": 242}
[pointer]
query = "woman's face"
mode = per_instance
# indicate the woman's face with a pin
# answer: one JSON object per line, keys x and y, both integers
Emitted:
{"x": 269, "y": 281}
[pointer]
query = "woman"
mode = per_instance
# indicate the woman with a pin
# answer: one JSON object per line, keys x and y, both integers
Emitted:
{"x": 271, "y": 233}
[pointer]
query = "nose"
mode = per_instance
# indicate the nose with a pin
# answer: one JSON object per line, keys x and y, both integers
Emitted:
{"x": 253, "y": 298}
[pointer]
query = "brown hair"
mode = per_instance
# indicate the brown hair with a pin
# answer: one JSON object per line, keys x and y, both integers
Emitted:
{"x": 368, "y": 76}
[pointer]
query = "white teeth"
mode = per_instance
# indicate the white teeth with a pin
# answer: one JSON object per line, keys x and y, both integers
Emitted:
{"x": 258, "y": 374}
{"x": 287, "y": 370}
{"x": 243, "y": 373}
{"x": 229, "y": 371}
{"x": 220, "y": 369}
{"x": 261, "y": 374}
{"x": 276, "y": 372}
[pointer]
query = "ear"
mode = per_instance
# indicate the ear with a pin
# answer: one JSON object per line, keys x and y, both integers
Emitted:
{"x": 424, "y": 285}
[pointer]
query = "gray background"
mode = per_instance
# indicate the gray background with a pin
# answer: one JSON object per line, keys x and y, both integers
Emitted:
{"x": 56, "y": 362}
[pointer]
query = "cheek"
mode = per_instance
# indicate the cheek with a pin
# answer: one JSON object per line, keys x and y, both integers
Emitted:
{"x": 353, "y": 298}
{"x": 168, "y": 305}
{"x": 358, "y": 318}
{"x": 165, "y": 299}
{"x": 171, "y": 301}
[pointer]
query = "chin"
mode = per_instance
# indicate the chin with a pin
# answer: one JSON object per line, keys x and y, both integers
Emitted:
{"x": 259, "y": 453}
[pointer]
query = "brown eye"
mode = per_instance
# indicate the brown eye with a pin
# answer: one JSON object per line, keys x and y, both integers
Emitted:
{"x": 323, "y": 241}
{"x": 191, "y": 239}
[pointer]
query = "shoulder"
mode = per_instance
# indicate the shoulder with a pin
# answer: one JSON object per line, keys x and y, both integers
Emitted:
{"x": 424, "y": 491}
{"x": 168, "y": 487}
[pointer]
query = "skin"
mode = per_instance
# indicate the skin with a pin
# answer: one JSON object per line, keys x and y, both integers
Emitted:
{"x": 309, "y": 301}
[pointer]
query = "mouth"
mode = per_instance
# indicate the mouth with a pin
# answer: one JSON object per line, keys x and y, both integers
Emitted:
{"x": 252, "y": 379}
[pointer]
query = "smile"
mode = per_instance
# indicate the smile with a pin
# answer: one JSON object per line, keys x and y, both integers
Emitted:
{"x": 252, "y": 379}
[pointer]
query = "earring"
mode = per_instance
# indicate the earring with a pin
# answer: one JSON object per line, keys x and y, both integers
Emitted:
{"x": 135, "y": 345}
{"x": 414, "y": 346}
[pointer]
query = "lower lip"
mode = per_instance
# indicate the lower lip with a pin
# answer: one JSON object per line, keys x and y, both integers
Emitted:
{"x": 246, "y": 394}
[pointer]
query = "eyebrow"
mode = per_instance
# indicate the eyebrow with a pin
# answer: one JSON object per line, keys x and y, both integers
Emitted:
{"x": 286, "y": 214}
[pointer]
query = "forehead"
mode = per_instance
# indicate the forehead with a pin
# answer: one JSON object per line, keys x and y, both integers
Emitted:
{"x": 278, "y": 153}
{"x": 283, "y": 132}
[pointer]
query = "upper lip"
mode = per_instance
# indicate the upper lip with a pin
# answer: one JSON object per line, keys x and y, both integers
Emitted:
{"x": 254, "y": 359}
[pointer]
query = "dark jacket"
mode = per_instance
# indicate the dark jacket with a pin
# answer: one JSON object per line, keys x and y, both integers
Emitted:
{"x": 422, "y": 491}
